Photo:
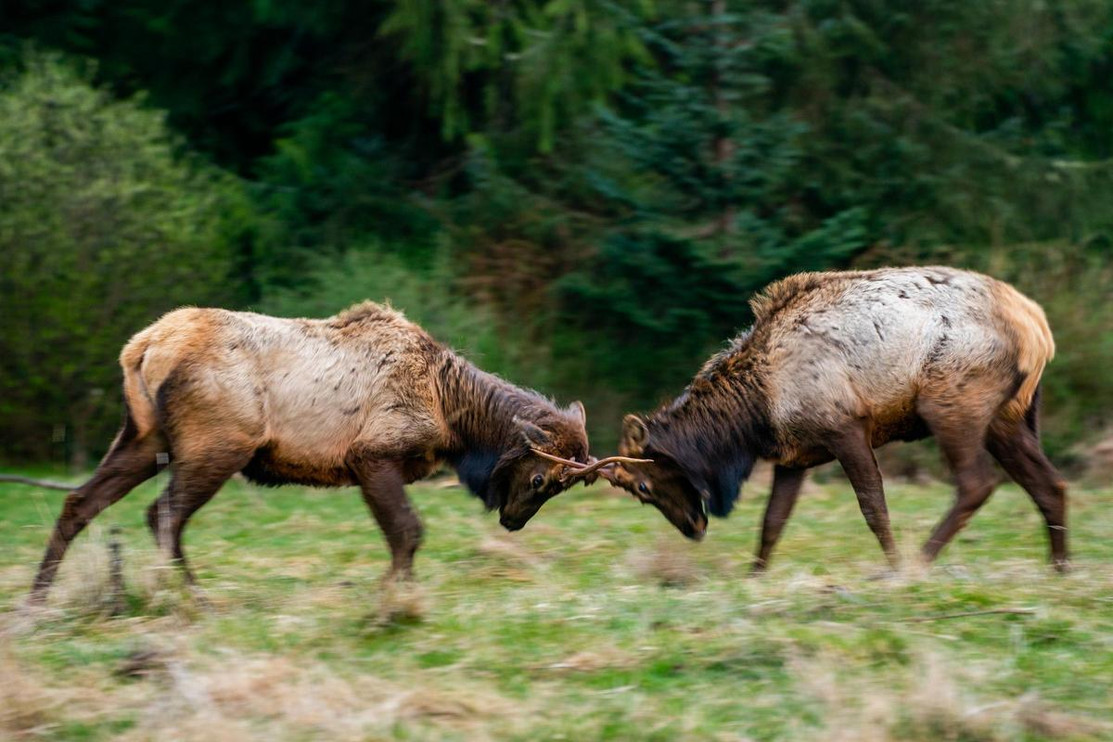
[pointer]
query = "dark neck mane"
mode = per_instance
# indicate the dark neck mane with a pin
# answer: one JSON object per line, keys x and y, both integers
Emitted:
{"x": 726, "y": 405}
{"x": 719, "y": 425}
{"x": 480, "y": 410}
{"x": 480, "y": 407}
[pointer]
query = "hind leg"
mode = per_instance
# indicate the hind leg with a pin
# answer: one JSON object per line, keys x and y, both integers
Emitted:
{"x": 975, "y": 481}
{"x": 957, "y": 409}
{"x": 130, "y": 462}
{"x": 1019, "y": 453}
{"x": 194, "y": 480}
{"x": 959, "y": 425}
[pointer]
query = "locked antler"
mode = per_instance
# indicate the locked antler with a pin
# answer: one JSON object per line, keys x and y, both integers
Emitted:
{"x": 580, "y": 471}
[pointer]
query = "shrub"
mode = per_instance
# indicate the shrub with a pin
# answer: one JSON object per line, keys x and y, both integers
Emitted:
{"x": 102, "y": 228}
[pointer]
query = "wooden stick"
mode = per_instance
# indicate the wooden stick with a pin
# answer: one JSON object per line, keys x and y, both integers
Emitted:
{"x": 117, "y": 602}
{"x": 45, "y": 483}
{"x": 991, "y": 611}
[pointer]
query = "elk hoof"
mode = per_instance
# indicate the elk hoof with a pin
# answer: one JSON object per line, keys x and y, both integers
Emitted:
{"x": 401, "y": 602}
{"x": 27, "y": 614}
{"x": 199, "y": 597}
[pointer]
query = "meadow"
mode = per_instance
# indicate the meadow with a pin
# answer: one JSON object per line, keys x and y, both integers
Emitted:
{"x": 597, "y": 621}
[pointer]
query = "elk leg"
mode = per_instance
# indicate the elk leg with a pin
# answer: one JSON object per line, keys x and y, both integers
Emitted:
{"x": 959, "y": 424}
{"x": 786, "y": 488}
{"x": 1019, "y": 453}
{"x": 130, "y": 462}
{"x": 974, "y": 483}
{"x": 193, "y": 482}
{"x": 854, "y": 452}
{"x": 384, "y": 492}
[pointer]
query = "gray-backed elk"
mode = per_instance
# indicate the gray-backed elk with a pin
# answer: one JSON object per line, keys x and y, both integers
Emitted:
{"x": 364, "y": 398}
{"x": 839, "y": 363}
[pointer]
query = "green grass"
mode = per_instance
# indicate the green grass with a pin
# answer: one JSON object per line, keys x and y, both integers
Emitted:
{"x": 598, "y": 621}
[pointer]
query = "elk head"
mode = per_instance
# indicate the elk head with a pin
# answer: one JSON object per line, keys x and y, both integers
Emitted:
{"x": 537, "y": 467}
{"x": 675, "y": 481}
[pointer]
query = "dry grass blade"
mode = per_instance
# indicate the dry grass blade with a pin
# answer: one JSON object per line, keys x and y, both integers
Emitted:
{"x": 23, "y": 702}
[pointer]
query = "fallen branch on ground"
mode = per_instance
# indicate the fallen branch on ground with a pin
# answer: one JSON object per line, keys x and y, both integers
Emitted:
{"x": 45, "y": 483}
{"x": 991, "y": 611}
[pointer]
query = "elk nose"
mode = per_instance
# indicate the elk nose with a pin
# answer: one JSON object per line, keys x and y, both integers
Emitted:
{"x": 699, "y": 528}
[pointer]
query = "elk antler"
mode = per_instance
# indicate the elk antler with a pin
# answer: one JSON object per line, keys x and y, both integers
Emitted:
{"x": 576, "y": 465}
{"x": 610, "y": 461}
{"x": 580, "y": 471}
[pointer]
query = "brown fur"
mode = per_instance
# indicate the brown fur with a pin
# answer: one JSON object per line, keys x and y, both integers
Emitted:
{"x": 364, "y": 398}
{"x": 839, "y": 363}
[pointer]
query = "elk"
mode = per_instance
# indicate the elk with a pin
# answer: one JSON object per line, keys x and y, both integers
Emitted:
{"x": 839, "y": 363}
{"x": 364, "y": 398}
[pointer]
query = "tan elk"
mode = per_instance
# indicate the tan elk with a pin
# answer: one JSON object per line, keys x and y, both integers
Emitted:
{"x": 364, "y": 398}
{"x": 839, "y": 363}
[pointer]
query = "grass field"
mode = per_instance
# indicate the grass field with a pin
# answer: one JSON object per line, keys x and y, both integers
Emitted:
{"x": 598, "y": 621}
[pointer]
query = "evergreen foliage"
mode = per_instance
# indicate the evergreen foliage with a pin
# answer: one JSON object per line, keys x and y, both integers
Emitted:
{"x": 600, "y": 184}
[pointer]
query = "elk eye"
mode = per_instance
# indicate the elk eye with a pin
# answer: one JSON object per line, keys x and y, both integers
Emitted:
{"x": 538, "y": 480}
{"x": 643, "y": 488}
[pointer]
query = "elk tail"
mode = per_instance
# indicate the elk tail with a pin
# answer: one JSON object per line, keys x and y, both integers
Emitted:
{"x": 1024, "y": 320}
{"x": 139, "y": 405}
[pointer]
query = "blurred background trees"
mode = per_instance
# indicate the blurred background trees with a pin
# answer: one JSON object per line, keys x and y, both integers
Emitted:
{"x": 581, "y": 194}
{"x": 102, "y": 226}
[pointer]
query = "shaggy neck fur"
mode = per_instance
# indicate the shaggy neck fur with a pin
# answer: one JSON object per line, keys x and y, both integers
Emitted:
{"x": 480, "y": 410}
{"x": 719, "y": 426}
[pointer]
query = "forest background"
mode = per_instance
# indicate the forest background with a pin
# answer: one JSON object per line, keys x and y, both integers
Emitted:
{"x": 581, "y": 195}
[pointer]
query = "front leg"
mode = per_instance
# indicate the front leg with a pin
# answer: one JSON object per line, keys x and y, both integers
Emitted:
{"x": 786, "y": 488}
{"x": 853, "y": 450}
{"x": 382, "y": 484}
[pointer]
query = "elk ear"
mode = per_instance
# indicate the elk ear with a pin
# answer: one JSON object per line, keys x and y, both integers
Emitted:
{"x": 532, "y": 434}
{"x": 576, "y": 410}
{"x": 635, "y": 434}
